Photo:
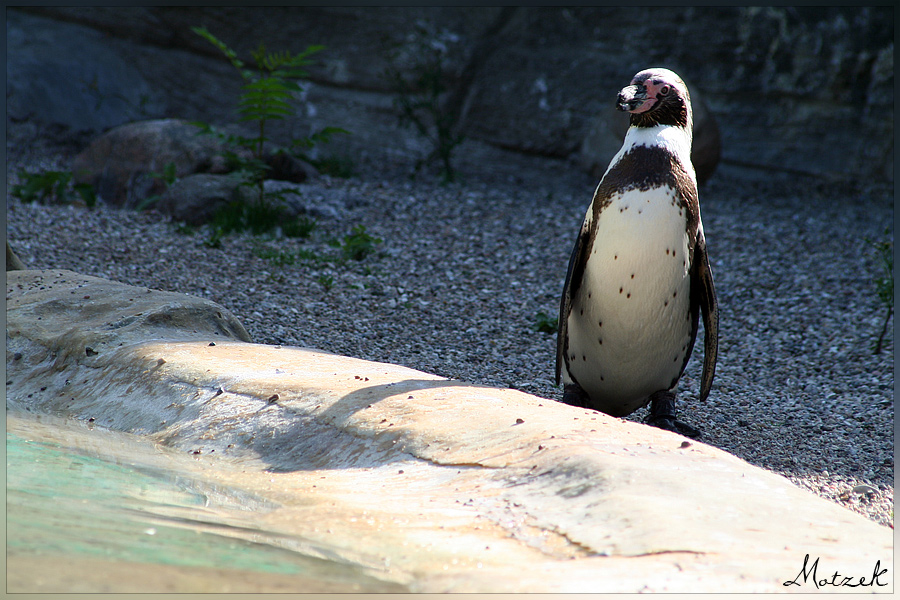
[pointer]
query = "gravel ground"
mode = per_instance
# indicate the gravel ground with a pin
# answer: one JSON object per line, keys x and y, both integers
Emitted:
{"x": 463, "y": 270}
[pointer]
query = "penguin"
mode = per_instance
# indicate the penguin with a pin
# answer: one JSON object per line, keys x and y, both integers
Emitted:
{"x": 639, "y": 276}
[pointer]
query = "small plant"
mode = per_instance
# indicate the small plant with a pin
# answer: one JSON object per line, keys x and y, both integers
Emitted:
{"x": 52, "y": 186}
{"x": 310, "y": 256}
{"x": 884, "y": 285}
{"x": 257, "y": 217}
{"x": 545, "y": 323}
{"x": 279, "y": 257}
{"x": 267, "y": 96}
{"x": 419, "y": 75}
{"x": 168, "y": 177}
{"x": 184, "y": 228}
{"x": 326, "y": 281}
{"x": 358, "y": 244}
{"x": 301, "y": 227}
{"x": 214, "y": 240}
{"x": 336, "y": 166}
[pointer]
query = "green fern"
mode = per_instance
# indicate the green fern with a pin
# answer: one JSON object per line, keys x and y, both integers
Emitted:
{"x": 267, "y": 95}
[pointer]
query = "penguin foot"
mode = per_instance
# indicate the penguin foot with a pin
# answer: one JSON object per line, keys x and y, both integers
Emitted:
{"x": 573, "y": 395}
{"x": 662, "y": 415}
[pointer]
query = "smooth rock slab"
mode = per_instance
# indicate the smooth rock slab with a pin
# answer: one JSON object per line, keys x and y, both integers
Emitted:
{"x": 431, "y": 483}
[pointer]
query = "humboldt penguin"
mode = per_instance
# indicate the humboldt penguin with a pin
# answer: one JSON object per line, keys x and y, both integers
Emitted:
{"x": 639, "y": 276}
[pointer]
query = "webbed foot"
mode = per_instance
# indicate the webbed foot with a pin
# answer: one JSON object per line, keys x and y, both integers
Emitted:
{"x": 662, "y": 415}
{"x": 573, "y": 395}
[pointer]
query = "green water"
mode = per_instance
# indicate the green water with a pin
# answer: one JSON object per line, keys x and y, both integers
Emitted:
{"x": 62, "y": 501}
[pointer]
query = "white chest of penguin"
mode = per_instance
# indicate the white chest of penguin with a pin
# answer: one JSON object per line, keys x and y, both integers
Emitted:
{"x": 630, "y": 324}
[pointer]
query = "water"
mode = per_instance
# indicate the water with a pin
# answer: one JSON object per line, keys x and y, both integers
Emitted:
{"x": 75, "y": 496}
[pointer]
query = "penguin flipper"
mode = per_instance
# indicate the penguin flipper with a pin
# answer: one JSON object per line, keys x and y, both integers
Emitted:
{"x": 575, "y": 272}
{"x": 709, "y": 308}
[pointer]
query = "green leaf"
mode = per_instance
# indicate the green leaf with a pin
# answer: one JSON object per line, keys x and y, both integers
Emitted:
{"x": 203, "y": 127}
{"x": 228, "y": 52}
{"x": 544, "y": 323}
{"x": 87, "y": 193}
{"x": 42, "y": 186}
{"x": 309, "y": 50}
{"x": 168, "y": 175}
{"x": 147, "y": 202}
{"x": 359, "y": 244}
{"x": 323, "y": 136}
{"x": 327, "y": 281}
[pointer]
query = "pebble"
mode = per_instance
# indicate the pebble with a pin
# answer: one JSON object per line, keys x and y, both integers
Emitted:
{"x": 798, "y": 389}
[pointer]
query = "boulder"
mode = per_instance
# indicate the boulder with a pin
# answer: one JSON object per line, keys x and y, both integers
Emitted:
{"x": 70, "y": 75}
{"x": 423, "y": 482}
{"x": 125, "y": 166}
{"x": 124, "y": 163}
{"x": 196, "y": 198}
{"x": 306, "y": 199}
{"x": 706, "y": 149}
{"x": 287, "y": 167}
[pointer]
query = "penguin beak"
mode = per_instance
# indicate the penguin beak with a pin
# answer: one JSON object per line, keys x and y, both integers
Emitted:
{"x": 631, "y": 97}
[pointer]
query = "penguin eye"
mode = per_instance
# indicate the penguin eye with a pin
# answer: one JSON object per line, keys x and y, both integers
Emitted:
{"x": 664, "y": 90}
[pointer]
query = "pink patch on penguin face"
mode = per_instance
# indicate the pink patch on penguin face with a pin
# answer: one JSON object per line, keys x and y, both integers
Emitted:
{"x": 645, "y": 105}
{"x": 656, "y": 88}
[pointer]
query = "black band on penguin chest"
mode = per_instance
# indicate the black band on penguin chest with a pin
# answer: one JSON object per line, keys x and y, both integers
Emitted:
{"x": 646, "y": 167}
{"x": 643, "y": 168}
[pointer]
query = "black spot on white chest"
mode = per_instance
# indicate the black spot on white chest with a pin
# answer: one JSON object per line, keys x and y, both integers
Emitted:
{"x": 639, "y": 246}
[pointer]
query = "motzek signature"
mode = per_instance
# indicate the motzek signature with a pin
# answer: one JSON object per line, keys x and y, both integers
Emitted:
{"x": 810, "y": 572}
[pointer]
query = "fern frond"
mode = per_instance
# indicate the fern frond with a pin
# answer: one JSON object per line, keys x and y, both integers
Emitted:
{"x": 228, "y": 52}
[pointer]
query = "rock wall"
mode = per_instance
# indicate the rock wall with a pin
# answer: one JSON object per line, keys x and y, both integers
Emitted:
{"x": 801, "y": 90}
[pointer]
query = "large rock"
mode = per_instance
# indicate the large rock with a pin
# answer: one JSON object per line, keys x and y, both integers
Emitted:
{"x": 425, "y": 482}
{"x": 196, "y": 198}
{"x": 124, "y": 165}
{"x": 70, "y": 75}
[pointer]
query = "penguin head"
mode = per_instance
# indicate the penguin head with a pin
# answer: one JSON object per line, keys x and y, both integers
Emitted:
{"x": 656, "y": 97}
